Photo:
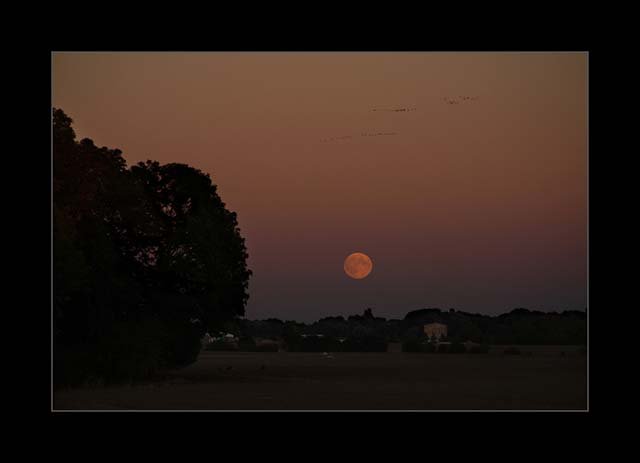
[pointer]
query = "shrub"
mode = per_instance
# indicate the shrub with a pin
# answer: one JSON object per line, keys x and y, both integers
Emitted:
{"x": 127, "y": 351}
{"x": 221, "y": 346}
{"x": 512, "y": 351}
{"x": 72, "y": 365}
{"x": 181, "y": 343}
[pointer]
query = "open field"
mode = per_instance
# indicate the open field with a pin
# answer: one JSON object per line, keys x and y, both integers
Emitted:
{"x": 544, "y": 380}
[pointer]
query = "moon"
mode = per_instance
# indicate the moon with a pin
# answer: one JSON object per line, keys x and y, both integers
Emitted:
{"x": 358, "y": 265}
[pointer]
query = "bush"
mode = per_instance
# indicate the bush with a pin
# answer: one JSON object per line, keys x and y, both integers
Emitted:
{"x": 217, "y": 346}
{"x": 72, "y": 365}
{"x": 512, "y": 351}
{"x": 127, "y": 351}
{"x": 479, "y": 349}
{"x": 181, "y": 343}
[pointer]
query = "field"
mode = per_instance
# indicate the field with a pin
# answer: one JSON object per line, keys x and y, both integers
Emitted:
{"x": 548, "y": 378}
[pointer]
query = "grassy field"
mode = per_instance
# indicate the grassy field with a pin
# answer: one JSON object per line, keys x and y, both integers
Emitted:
{"x": 542, "y": 380}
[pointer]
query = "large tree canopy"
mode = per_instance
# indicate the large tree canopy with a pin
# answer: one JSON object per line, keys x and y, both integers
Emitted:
{"x": 198, "y": 252}
{"x": 145, "y": 260}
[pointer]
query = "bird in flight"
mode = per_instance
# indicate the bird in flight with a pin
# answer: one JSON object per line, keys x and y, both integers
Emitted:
{"x": 344, "y": 137}
{"x": 462, "y": 98}
{"x": 364, "y": 134}
{"x": 395, "y": 110}
{"x": 377, "y": 134}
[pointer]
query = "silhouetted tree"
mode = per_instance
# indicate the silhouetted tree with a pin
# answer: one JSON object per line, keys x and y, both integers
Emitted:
{"x": 199, "y": 252}
{"x": 145, "y": 260}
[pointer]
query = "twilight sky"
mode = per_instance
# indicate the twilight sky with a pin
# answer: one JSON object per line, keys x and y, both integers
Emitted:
{"x": 480, "y": 206}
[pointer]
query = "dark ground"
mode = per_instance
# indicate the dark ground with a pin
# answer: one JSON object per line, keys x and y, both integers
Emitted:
{"x": 544, "y": 380}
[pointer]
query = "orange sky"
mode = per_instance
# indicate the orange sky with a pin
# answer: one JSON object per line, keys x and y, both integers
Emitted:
{"x": 481, "y": 206}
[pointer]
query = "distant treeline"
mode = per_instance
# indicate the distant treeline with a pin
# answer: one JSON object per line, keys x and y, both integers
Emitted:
{"x": 520, "y": 326}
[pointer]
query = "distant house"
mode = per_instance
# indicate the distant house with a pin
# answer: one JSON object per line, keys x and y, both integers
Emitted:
{"x": 435, "y": 330}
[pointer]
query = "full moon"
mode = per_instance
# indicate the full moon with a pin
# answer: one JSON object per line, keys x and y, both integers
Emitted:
{"x": 358, "y": 265}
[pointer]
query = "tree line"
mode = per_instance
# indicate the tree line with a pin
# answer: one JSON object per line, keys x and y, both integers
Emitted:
{"x": 519, "y": 326}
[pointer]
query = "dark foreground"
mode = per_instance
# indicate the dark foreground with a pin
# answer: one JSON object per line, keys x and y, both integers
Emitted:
{"x": 544, "y": 380}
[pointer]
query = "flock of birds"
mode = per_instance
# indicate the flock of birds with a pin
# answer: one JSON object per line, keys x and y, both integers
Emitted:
{"x": 462, "y": 99}
{"x": 346, "y": 137}
{"x": 396, "y": 110}
{"x": 447, "y": 100}
{"x": 378, "y": 134}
